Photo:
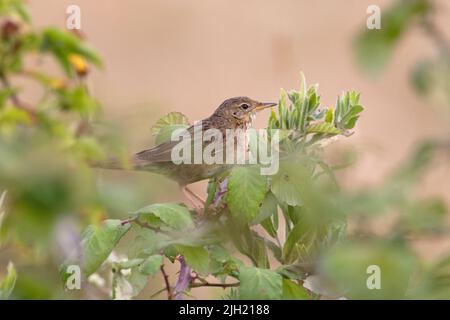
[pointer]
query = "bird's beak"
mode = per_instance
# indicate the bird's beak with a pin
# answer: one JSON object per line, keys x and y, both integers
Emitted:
{"x": 264, "y": 105}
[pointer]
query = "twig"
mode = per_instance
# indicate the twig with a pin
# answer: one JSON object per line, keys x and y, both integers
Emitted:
{"x": 220, "y": 285}
{"x": 166, "y": 281}
{"x": 157, "y": 292}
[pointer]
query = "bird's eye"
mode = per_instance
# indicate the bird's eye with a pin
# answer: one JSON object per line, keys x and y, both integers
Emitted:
{"x": 245, "y": 106}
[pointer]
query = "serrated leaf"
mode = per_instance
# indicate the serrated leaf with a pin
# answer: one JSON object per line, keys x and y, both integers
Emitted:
{"x": 324, "y": 127}
{"x": 196, "y": 257}
{"x": 260, "y": 284}
{"x": 172, "y": 118}
{"x": 99, "y": 241}
{"x": 246, "y": 191}
{"x": 169, "y": 214}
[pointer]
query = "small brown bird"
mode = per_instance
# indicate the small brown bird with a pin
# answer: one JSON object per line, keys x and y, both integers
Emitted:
{"x": 234, "y": 113}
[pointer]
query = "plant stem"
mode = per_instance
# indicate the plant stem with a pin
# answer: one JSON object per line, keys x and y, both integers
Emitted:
{"x": 184, "y": 279}
{"x": 220, "y": 285}
{"x": 166, "y": 281}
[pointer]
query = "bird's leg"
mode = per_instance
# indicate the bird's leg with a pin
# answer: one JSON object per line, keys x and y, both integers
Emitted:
{"x": 197, "y": 202}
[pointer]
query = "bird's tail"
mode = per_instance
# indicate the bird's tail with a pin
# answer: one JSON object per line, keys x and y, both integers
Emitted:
{"x": 114, "y": 163}
{"x": 134, "y": 163}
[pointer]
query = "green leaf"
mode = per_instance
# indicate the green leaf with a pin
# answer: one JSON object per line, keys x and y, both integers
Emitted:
{"x": 431, "y": 78}
{"x": 324, "y": 127}
{"x": 260, "y": 284}
{"x": 286, "y": 184}
{"x": 219, "y": 253}
{"x": 165, "y": 133}
{"x": 374, "y": 47}
{"x": 137, "y": 280}
{"x": 17, "y": 7}
{"x": 151, "y": 265}
{"x": 269, "y": 226}
{"x": 293, "y": 271}
{"x": 347, "y": 110}
{"x": 300, "y": 239}
{"x": 211, "y": 191}
{"x": 7, "y": 284}
{"x": 13, "y": 116}
{"x": 196, "y": 257}
{"x": 99, "y": 241}
{"x": 128, "y": 264}
{"x": 301, "y": 105}
{"x": 268, "y": 208}
{"x": 5, "y": 94}
{"x": 329, "y": 116}
{"x": 78, "y": 100}
{"x": 346, "y": 265}
{"x": 169, "y": 214}
{"x": 62, "y": 44}
{"x": 292, "y": 291}
{"x": 147, "y": 242}
{"x": 246, "y": 191}
{"x": 173, "y": 118}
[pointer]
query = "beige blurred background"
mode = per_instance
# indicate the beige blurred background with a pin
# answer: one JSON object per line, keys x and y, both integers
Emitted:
{"x": 188, "y": 56}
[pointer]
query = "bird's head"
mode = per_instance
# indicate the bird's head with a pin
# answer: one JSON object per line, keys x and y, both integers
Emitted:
{"x": 241, "y": 109}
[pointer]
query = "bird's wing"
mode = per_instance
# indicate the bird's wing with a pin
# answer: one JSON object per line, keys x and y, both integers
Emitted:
{"x": 162, "y": 152}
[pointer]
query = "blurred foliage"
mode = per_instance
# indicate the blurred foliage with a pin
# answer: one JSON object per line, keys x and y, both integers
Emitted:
{"x": 285, "y": 236}
{"x": 8, "y": 282}
{"x": 431, "y": 76}
{"x": 48, "y": 190}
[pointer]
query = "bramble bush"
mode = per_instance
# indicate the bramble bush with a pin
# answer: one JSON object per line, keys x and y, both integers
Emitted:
{"x": 284, "y": 236}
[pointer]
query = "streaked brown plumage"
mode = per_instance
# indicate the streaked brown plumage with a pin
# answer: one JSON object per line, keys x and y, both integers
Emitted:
{"x": 234, "y": 113}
